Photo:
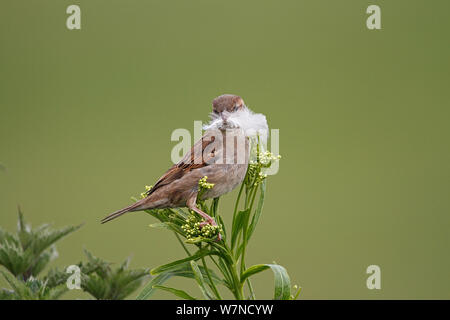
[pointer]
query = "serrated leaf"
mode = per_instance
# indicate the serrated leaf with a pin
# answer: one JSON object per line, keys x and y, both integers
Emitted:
{"x": 19, "y": 287}
{"x": 107, "y": 283}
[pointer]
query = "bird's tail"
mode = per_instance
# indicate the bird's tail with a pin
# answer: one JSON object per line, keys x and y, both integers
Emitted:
{"x": 134, "y": 207}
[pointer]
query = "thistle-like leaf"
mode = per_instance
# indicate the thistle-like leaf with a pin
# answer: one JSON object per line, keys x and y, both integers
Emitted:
{"x": 28, "y": 252}
{"x": 107, "y": 283}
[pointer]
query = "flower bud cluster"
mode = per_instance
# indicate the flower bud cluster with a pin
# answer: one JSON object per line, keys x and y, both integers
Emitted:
{"x": 205, "y": 185}
{"x": 195, "y": 228}
{"x": 255, "y": 174}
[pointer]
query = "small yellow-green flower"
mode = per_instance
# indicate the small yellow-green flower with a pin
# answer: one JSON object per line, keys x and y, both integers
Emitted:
{"x": 145, "y": 193}
{"x": 205, "y": 185}
{"x": 194, "y": 229}
{"x": 255, "y": 173}
{"x": 266, "y": 158}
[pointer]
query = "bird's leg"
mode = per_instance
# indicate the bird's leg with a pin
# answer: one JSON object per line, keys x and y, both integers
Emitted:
{"x": 191, "y": 203}
{"x": 209, "y": 220}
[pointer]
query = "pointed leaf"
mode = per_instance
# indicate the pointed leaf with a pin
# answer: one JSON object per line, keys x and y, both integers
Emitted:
{"x": 160, "y": 225}
{"x": 184, "y": 270}
{"x": 237, "y": 226}
{"x": 200, "y": 281}
{"x": 179, "y": 293}
{"x": 149, "y": 288}
{"x": 199, "y": 254}
{"x": 282, "y": 281}
{"x": 19, "y": 287}
{"x": 258, "y": 210}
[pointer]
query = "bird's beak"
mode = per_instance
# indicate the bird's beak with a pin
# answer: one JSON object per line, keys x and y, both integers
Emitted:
{"x": 224, "y": 117}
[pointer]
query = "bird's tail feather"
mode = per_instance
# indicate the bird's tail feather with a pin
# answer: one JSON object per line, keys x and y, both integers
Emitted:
{"x": 134, "y": 207}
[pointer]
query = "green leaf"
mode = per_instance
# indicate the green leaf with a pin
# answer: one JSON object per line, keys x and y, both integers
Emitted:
{"x": 6, "y": 294}
{"x": 28, "y": 252}
{"x": 222, "y": 224}
{"x": 32, "y": 289}
{"x": 198, "y": 255}
{"x": 167, "y": 225}
{"x": 200, "y": 281}
{"x": 56, "y": 292}
{"x": 297, "y": 293}
{"x": 106, "y": 283}
{"x": 282, "y": 281}
{"x": 19, "y": 287}
{"x": 237, "y": 226}
{"x": 23, "y": 231}
{"x": 258, "y": 210}
{"x": 46, "y": 239}
{"x": 179, "y": 293}
{"x": 160, "y": 225}
{"x": 183, "y": 270}
{"x": 42, "y": 261}
{"x": 149, "y": 289}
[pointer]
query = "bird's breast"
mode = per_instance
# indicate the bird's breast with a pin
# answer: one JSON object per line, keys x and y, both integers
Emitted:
{"x": 230, "y": 164}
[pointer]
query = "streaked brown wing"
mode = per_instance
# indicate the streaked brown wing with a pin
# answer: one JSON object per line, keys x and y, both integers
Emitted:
{"x": 192, "y": 160}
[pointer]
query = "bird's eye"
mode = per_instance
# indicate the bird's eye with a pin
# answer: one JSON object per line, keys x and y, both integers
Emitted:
{"x": 215, "y": 112}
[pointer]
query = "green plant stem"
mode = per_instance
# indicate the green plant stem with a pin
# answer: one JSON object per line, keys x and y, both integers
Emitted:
{"x": 250, "y": 287}
{"x": 224, "y": 271}
{"x": 244, "y": 232}
{"x": 237, "y": 201}
{"x": 231, "y": 264}
{"x": 182, "y": 244}
{"x": 238, "y": 289}
{"x": 212, "y": 284}
{"x": 214, "y": 207}
{"x": 251, "y": 197}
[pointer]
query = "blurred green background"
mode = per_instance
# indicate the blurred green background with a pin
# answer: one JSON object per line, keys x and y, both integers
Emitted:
{"x": 86, "y": 117}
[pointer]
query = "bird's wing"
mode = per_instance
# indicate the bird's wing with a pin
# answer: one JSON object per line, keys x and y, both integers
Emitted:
{"x": 194, "y": 159}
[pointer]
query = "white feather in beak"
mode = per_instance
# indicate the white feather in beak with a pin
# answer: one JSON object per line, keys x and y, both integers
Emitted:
{"x": 253, "y": 124}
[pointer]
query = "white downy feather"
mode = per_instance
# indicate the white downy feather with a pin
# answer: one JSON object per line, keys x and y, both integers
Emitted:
{"x": 251, "y": 123}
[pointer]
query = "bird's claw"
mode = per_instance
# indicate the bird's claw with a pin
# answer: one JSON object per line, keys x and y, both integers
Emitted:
{"x": 210, "y": 222}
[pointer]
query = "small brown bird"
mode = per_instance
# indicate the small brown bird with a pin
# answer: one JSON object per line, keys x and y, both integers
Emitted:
{"x": 222, "y": 155}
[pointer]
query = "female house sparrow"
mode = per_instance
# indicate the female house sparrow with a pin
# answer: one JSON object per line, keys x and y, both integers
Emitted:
{"x": 222, "y": 154}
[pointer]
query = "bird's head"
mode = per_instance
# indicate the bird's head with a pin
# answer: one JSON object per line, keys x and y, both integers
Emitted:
{"x": 225, "y": 105}
{"x": 230, "y": 112}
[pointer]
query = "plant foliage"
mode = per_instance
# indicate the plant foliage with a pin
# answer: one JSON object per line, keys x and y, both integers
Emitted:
{"x": 107, "y": 283}
{"x": 207, "y": 252}
{"x": 25, "y": 254}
